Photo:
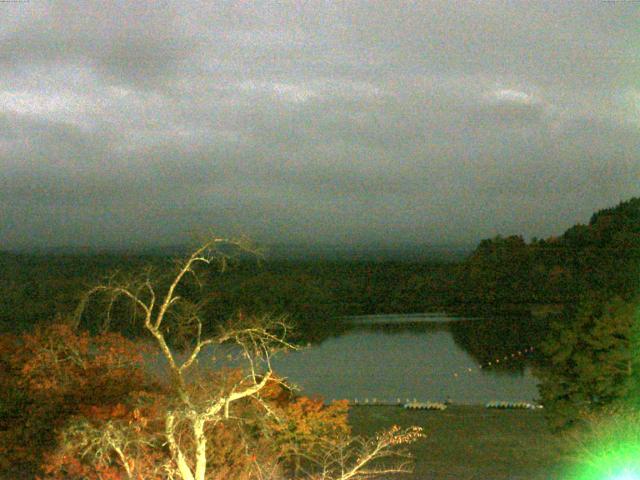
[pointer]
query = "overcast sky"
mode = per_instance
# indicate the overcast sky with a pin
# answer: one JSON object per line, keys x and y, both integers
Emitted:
{"x": 141, "y": 122}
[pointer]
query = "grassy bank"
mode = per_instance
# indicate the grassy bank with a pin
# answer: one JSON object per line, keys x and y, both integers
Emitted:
{"x": 471, "y": 442}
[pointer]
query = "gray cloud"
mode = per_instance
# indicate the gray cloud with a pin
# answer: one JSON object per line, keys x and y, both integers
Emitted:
{"x": 355, "y": 122}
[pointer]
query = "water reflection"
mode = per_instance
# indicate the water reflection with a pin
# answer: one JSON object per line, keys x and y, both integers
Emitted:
{"x": 429, "y": 357}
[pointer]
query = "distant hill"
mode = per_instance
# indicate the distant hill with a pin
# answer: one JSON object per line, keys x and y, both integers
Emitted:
{"x": 87, "y": 250}
{"x": 284, "y": 251}
{"x": 363, "y": 252}
{"x": 601, "y": 258}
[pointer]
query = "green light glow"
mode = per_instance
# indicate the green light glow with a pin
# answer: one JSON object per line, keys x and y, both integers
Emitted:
{"x": 621, "y": 463}
{"x": 627, "y": 475}
{"x": 609, "y": 449}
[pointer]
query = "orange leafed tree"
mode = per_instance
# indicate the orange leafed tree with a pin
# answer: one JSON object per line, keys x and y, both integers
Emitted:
{"x": 53, "y": 375}
{"x": 95, "y": 412}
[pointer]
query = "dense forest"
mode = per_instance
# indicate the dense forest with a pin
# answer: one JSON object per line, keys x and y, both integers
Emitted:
{"x": 602, "y": 257}
{"x": 588, "y": 279}
{"x": 503, "y": 274}
{"x": 313, "y": 292}
{"x": 586, "y": 265}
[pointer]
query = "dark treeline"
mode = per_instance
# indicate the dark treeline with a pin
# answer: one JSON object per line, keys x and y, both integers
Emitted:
{"x": 38, "y": 288}
{"x": 314, "y": 293}
{"x": 503, "y": 275}
{"x": 599, "y": 259}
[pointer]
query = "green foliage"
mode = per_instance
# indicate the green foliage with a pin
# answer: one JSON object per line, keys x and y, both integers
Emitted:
{"x": 592, "y": 361}
{"x": 498, "y": 272}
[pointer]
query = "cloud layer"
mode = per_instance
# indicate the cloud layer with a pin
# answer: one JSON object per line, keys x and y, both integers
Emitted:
{"x": 357, "y": 122}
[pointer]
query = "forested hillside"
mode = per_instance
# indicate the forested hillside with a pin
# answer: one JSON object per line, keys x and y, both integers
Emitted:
{"x": 503, "y": 274}
{"x": 313, "y": 293}
{"x": 602, "y": 258}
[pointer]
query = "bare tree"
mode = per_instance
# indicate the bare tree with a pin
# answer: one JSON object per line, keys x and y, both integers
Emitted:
{"x": 257, "y": 338}
{"x": 361, "y": 458}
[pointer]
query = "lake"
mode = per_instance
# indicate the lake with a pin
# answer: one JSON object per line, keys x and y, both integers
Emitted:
{"x": 427, "y": 357}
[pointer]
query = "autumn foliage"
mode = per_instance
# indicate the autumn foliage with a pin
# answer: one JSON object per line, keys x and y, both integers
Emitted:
{"x": 77, "y": 406}
{"x": 71, "y": 402}
{"x": 54, "y": 374}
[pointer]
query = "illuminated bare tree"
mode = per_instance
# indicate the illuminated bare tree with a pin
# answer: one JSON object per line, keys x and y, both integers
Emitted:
{"x": 257, "y": 338}
{"x": 360, "y": 458}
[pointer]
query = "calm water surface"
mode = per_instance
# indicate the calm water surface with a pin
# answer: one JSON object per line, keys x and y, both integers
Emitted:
{"x": 427, "y": 357}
